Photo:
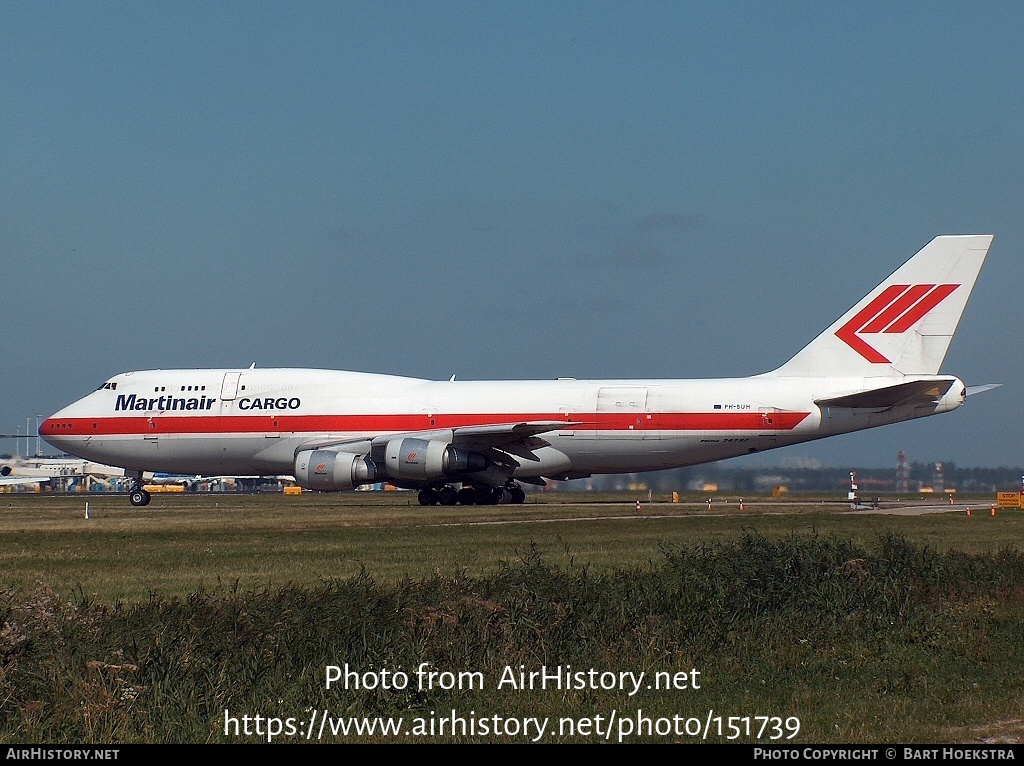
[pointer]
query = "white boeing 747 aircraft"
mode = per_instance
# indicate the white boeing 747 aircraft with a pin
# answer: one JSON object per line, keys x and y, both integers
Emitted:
{"x": 475, "y": 441}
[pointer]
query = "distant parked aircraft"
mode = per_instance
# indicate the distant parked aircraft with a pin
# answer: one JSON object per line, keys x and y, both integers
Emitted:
{"x": 18, "y": 470}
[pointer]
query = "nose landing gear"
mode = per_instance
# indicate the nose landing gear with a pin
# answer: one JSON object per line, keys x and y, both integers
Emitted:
{"x": 137, "y": 496}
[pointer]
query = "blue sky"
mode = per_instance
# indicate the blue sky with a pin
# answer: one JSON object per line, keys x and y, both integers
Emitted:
{"x": 503, "y": 190}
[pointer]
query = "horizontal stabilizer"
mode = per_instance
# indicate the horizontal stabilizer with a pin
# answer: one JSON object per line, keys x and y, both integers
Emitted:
{"x": 916, "y": 391}
{"x": 972, "y": 390}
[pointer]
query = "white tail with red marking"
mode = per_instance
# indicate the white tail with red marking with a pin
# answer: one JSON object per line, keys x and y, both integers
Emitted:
{"x": 903, "y": 326}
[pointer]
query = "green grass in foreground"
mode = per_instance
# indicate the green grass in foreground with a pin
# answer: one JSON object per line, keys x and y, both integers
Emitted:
{"x": 182, "y": 543}
{"x": 149, "y": 625}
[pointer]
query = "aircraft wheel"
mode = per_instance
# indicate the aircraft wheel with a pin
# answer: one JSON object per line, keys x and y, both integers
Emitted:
{"x": 448, "y": 495}
{"x": 518, "y": 494}
{"x": 485, "y": 496}
{"x": 428, "y": 497}
{"x": 139, "y": 497}
{"x": 467, "y": 496}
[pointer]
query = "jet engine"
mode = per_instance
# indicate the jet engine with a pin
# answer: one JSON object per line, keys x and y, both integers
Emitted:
{"x": 407, "y": 461}
{"x": 426, "y": 460}
{"x": 331, "y": 471}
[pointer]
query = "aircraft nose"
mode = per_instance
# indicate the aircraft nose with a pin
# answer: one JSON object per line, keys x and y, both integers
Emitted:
{"x": 53, "y": 429}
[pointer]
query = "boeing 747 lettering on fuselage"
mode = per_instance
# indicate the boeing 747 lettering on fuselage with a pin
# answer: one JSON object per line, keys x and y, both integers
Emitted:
{"x": 477, "y": 441}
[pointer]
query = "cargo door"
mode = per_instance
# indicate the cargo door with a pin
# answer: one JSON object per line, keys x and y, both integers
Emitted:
{"x": 622, "y": 411}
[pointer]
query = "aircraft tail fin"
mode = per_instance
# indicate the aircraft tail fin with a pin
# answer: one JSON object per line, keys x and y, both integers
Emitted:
{"x": 903, "y": 326}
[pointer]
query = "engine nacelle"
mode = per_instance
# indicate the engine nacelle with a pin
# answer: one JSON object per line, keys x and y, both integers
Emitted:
{"x": 412, "y": 459}
{"x": 331, "y": 471}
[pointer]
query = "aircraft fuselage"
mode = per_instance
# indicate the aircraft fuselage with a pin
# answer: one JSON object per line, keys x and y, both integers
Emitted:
{"x": 254, "y": 421}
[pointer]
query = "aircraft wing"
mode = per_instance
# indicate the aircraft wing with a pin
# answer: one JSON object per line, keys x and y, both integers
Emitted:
{"x": 915, "y": 392}
{"x": 519, "y": 439}
{"x": 515, "y": 439}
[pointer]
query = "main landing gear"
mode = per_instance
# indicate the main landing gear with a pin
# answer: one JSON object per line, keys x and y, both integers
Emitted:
{"x": 137, "y": 496}
{"x": 512, "y": 492}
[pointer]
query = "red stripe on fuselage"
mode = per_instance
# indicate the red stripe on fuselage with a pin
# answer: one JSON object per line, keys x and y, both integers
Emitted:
{"x": 249, "y": 424}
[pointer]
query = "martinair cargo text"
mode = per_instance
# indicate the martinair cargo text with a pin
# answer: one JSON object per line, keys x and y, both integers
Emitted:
{"x": 476, "y": 441}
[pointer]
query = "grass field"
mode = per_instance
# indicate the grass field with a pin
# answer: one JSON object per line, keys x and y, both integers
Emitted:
{"x": 184, "y": 542}
{"x": 154, "y": 624}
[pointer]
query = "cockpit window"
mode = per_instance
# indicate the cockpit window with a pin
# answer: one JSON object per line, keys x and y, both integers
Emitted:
{"x": 108, "y": 385}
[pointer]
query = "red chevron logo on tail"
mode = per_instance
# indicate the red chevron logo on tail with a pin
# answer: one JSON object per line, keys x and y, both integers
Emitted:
{"x": 896, "y": 309}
